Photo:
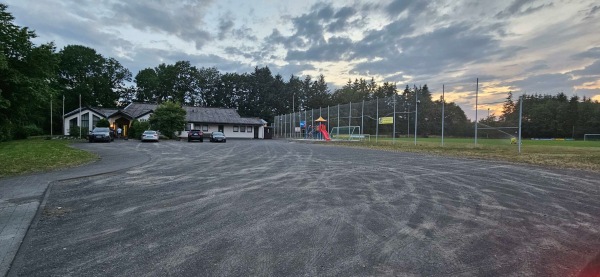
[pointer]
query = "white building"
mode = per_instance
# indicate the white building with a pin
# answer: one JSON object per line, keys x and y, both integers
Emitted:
{"x": 208, "y": 120}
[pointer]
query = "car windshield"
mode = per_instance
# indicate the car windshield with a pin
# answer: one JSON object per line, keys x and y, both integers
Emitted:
{"x": 217, "y": 134}
{"x": 149, "y": 132}
{"x": 101, "y": 130}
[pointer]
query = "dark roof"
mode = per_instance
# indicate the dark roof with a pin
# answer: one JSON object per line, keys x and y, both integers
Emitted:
{"x": 218, "y": 115}
{"x": 101, "y": 111}
{"x": 136, "y": 110}
{"x": 193, "y": 114}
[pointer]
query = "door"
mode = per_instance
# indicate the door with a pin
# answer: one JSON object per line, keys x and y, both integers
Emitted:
{"x": 256, "y": 132}
{"x": 221, "y": 128}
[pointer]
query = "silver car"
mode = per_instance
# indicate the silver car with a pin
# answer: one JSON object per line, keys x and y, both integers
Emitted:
{"x": 150, "y": 135}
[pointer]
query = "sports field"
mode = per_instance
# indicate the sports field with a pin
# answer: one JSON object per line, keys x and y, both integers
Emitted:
{"x": 583, "y": 155}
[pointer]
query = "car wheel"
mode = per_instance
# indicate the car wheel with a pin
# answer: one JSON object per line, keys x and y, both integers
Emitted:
{"x": 201, "y": 140}
{"x": 189, "y": 140}
{"x": 90, "y": 141}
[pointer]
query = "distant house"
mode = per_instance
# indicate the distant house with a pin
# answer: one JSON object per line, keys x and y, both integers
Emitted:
{"x": 208, "y": 120}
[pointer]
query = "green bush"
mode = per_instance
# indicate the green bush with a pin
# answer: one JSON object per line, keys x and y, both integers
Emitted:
{"x": 20, "y": 133}
{"x": 74, "y": 132}
{"x": 103, "y": 123}
{"x": 138, "y": 128}
{"x": 33, "y": 130}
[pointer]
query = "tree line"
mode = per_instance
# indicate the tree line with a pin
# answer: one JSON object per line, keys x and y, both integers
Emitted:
{"x": 549, "y": 116}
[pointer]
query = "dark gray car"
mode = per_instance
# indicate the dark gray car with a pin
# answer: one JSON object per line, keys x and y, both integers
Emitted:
{"x": 217, "y": 137}
{"x": 100, "y": 134}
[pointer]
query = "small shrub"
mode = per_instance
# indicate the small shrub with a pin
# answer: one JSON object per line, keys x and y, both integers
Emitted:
{"x": 103, "y": 123}
{"x": 138, "y": 128}
{"x": 74, "y": 132}
{"x": 33, "y": 130}
{"x": 20, "y": 133}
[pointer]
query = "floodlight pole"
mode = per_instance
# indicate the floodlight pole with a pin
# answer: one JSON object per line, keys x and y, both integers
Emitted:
{"x": 394, "y": 122}
{"x": 476, "y": 99}
{"x": 349, "y": 119}
{"x": 443, "y": 118}
{"x": 416, "y": 113}
{"x": 50, "y": 117}
{"x": 377, "y": 121}
{"x": 294, "y": 112}
{"x": 520, "y": 117}
{"x": 362, "y": 118}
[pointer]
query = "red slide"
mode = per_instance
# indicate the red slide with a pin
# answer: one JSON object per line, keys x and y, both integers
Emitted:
{"x": 323, "y": 130}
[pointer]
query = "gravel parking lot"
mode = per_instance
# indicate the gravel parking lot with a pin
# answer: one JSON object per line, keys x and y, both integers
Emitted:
{"x": 279, "y": 208}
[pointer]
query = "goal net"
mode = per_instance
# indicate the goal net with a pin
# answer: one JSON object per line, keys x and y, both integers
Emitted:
{"x": 589, "y": 137}
{"x": 346, "y": 133}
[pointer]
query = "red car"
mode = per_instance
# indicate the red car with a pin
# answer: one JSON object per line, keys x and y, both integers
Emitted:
{"x": 195, "y": 135}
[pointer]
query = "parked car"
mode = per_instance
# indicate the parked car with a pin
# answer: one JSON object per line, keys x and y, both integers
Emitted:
{"x": 195, "y": 135}
{"x": 217, "y": 137}
{"x": 100, "y": 134}
{"x": 150, "y": 135}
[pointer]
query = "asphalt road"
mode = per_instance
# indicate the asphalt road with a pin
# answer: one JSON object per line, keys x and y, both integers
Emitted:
{"x": 278, "y": 208}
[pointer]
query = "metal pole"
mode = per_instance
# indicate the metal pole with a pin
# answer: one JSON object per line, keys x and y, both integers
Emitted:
{"x": 349, "y": 119}
{"x": 328, "y": 118}
{"x": 362, "y": 118}
{"x": 312, "y": 119}
{"x": 50, "y": 117}
{"x": 416, "y": 113}
{"x": 79, "y": 119}
{"x": 63, "y": 117}
{"x": 294, "y": 113}
{"x": 443, "y": 118}
{"x": 338, "y": 118}
{"x": 285, "y": 126}
{"x": 476, "y": 102}
{"x": 377, "y": 122}
{"x": 394, "y": 122}
{"x": 520, "y": 117}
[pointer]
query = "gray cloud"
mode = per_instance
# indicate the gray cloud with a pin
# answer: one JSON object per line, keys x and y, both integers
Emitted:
{"x": 183, "y": 18}
{"x": 521, "y": 7}
{"x": 544, "y": 84}
{"x": 397, "y": 7}
{"x": 590, "y": 70}
{"x": 336, "y": 48}
{"x": 593, "y": 52}
{"x": 431, "y": 53}
{"x": 225, "y": 26}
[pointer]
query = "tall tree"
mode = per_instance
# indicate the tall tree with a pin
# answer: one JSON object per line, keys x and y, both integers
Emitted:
{"x": 99, "y": 81}
{"x": 26, "y": 74}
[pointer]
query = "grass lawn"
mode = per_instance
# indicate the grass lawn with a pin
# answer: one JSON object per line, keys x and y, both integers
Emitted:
{"x": 38, "y": 154}
{"x": 561, "y": 154}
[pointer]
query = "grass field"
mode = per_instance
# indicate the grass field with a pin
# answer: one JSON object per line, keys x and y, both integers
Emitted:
{"x": 561, "y": 154}
{"x": 38, "y": 154}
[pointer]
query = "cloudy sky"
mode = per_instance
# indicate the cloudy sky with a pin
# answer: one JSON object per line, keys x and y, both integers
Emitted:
{"x": 525, "y": 46}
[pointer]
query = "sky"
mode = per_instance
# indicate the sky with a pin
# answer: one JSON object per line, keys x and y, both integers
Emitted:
{"x": 523, "y": 46}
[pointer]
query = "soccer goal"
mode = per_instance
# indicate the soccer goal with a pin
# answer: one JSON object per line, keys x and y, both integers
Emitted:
{"x": 346, "y": 133}
{"x": 588, "y": 137}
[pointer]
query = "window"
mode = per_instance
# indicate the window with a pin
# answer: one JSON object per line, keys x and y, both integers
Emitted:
{"x": 242, "y": 128}
{"x": 73, "y": 122}
{"x": 204, "y": 128}
{"x": 95, "y": 120}
{"x": 249, "y": 129}
{"x": 236, "y": 128}
{"x": 85, "y": 120}
{"x": 188, "y": 126}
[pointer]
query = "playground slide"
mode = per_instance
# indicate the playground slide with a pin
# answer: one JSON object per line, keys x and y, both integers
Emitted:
{"x": 325, "y": 134}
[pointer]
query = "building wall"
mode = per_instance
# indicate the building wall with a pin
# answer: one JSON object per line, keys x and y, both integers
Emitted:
{"x": 89, "y": 124}
{"x": 228, "y": 130}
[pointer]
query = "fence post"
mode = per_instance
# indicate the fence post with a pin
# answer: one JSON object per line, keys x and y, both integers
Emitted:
{"x": 362, "y": 118}
{"x": 349, "y": 119}
{"x": 443, "y": 118}
{"x": 394, "y": 121}
{"x": 416, "y": 113}
{"x": 377, "y": 121}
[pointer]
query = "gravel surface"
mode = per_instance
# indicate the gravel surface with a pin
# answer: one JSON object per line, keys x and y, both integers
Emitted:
{"x": 279, "y": 208}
